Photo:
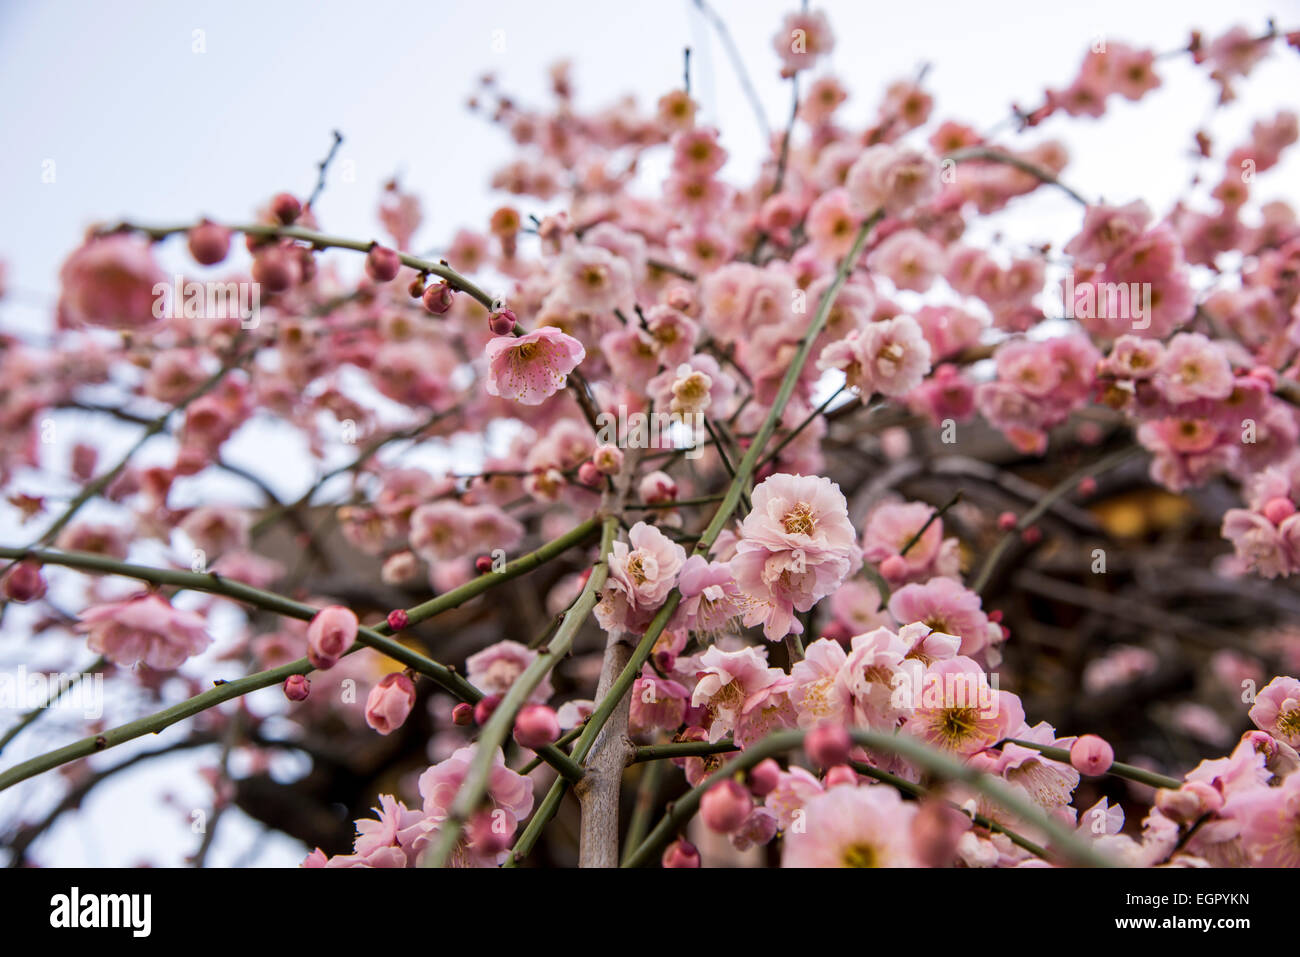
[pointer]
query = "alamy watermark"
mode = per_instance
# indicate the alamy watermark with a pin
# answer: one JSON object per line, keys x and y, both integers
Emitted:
{"x": 208, "y": 300}
{"x": 1107, "y": 300}
{"x": 24, "y": 691}
{"x": 653, "y": 430}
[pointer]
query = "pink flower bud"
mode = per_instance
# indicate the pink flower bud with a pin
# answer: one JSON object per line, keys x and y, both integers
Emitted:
{"x": 681, "y": 853}
{"x": 437, "y": 298}
{"x": 286, "y": 208}
{"x": 1087, "y": 486}
{"x": 483, "y": 710}
{"x": 463, "y": 714}
{"x": 390, "y": 702}
{"x": 657, "y": 488}
{"x": 209, "y": 243}
{"x": 1007, "y": 521}
{"x": 330, "y": 634}
{"x": 827, "y": 745}
{"x": 725, "y": 806}
{"x": 271, "y": 268}
{"x": 398, "y": 619}
{"x": 24, "y": 582}
{"x": 502, "y": 323}
{"x": 936, "y": 830}
{"x": 1032, "y": 535}
{"x": 840, "y": 774}
{"x": 764, "y": 777}
{"x": 1091, "y": 755}
{"x": 536, "y": 726}
{"x": 1277, "y": 510}
{"x": 382, "y": 263}
{"x": 297, "y": 687}
{"x": 589, "y": 475}
{"x": 483, "y": 564}
{"x": 894, "y": 568}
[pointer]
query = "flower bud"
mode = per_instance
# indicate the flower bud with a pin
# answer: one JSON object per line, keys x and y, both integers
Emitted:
{"x": 502, "y": 323}
{"x": 1007, "y": 521}
{"x": 286, "y": 208}
{"x": 483, "y": 564}
{"x": 209, "y": 243}
{"x": 894, "y": 568}
{"x": 764, "y": 777}
{"x": 297, "y": 687}
{"x": 330, "y": 633}
{"x": 681, "y": 853}
{"x": 382, "y": 263}
{"x": 936, "y": 831}
{"x": 437, "y": 298}
{"x": 840, "y": 774}
{"x": 536, "y": 726}
{"x": 1278, "y": 510}
{"x": 589, "y": 475}
{"x": 725, "y": 806}
{"x": 390, "y": 702}
{"x": 24, "y": 582}
{"x": 483, "y": 710}
{"x": 398, "y": 619}
{"x": 827, "y": 745}
{"x": 1091, "y": 755}
{"x": 271, "y": 268}
{"x": 463, "y": 714}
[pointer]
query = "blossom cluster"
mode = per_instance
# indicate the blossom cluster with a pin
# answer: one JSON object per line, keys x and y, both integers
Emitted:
{"x": 784, "y": 315}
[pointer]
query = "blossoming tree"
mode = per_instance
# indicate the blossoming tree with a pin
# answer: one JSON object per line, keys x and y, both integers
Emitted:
{"x": 795, "y": 509}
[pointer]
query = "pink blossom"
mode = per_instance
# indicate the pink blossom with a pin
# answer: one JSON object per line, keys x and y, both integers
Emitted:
{"x": 532, "y": 367}
{"x": 802, "y": 39}
{"x": 945, "y": 606}
{"x": 727, "y": 681}
{"x": 866, "y": 826}
{"x": 711, "y": 599}
{"x": 1193, "y": 367}
{"x": 892, "y": 178}
{"x": 642, "y": 571}
{"x": 1277, "y": 710}
{"x": 817, "y": 694}
{"x": 111, "y": 282}
{"x": 956, "y": 709}
{"x": 144, "y": 629}
{"x": 890, "y": 356}
{"x": 797, "y": 546}
{"x": 389, "y": 702}
{"x": 494, "y": 669}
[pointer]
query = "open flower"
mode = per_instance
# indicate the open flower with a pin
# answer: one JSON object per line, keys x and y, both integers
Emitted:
{"x": 865, "y": 826}
{"x": 145, "y": 629}
{"x": 797, "y": 546}
{"x": 533, "y": 367}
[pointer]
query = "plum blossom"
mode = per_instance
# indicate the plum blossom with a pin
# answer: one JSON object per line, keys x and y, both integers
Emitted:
{"x": 796, "y": 547}
{"x": 531, "y": 368}
{"x": 865, "y": 826}
{"x": 145, "y": 629}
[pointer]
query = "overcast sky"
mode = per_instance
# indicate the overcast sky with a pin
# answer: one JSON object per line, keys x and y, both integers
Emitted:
{"x": 138, "y": 124}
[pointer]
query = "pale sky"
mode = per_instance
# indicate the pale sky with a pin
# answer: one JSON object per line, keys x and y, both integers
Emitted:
{"x": 140, "y": 125}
